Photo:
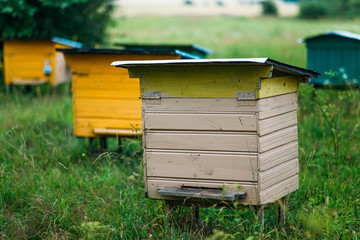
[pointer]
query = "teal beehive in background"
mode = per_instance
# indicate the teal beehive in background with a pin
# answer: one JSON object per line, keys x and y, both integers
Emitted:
{"x": 336, "y": 55}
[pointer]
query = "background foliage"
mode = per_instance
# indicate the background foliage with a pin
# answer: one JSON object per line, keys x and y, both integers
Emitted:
{"x": 80, "y": 20}
{"x": 329, "y": 8}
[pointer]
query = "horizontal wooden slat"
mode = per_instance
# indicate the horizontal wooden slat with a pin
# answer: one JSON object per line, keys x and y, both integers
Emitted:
{"x": 277, "y": 122}
{"x": 277, "y": 105}
{"x": 202, "y": 194}
{"x": 200, "y": 165}
{"x": 116, "y": 132}
{"x": 278, "y": 155}
{"x": 200, "y": 105}
{"x": 107, "y": 108}
{"x": 278, "y": 138}
{"x": 153, "y": 184}
{"x": 279, "y": 190}
{"x": 201, "y": 121}
{"x": 105, "y": 80}
{"x": 84, "y": 127}
{"x": 213, "y": 141}
{"x": 278, "y": 173}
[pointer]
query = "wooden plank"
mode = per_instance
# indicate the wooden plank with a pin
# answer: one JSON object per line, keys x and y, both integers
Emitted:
{"x": 107, "y": 108}
{"x": 24, "y": 81}
{"x": 212, "y": 141}
{"x": 201, "y": 121}
{"x": 275, "y": 123}
{"x": 281, "y": 85}
{"x": 153, "y": 184}
{"x": 205, "y": 81}
{"x": 278, "y": 173}
{"x": 84, "y": 127}
{"x": 202, "y": 194}
{"x": 202, "y": 165}
{"x": 62, "y": 70}
{"x": 278, "y": 138}
{"x": 278, "y": 155}
{"x": 104, "y": 80}
{"x": 277, "y": 105}
{"x": 116, "y": 132}
{"x": 219, "y": 105}
{"x": 279, "y": 190}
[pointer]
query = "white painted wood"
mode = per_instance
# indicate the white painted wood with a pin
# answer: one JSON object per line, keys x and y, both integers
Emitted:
{"x": 200, "y": 165}
{"x": 201, "y": 140}
{"x": 249, "y": 188}
{"x": 279, "y": 190}
{"x": 277, "y": 105}
{"x": 277, "y": 122}
{"x": 201, "y": 121}
{"x": 278, "y": 155}
{"x": 218, "y": 105}
{"x": 278, "y": 173}
{"x": 278, "y": 138}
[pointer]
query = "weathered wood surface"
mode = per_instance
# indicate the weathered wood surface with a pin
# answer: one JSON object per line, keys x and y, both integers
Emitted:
{"x": 279, "y": 190}
{"x": 218, "y": 105}
{"x": 280, "y": 85}
{"x": 201, "y": 121}
{"x": 153, "y": 184}
{"x": 202, "y": 193}
{"x": 202, "y": 165}
{"x": 277, "y": 105}
{"x": 276, "y": 123}
{"x": 278, "y": 138}
{"x": 201, "y": 140}
{"x": 175, "y": 81}
{"x": 277, "y": 156}
{"x": 278, "y": 173}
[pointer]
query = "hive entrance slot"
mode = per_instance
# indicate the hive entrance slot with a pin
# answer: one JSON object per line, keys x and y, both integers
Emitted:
{"x": 203, "y": 193}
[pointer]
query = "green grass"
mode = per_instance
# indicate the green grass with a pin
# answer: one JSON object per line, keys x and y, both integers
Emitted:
{"x": 51, "y": 189}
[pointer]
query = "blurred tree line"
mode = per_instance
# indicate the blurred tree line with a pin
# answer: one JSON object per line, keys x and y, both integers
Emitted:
{"x": 315, "y": 9}
{"x": 80, "y": 20}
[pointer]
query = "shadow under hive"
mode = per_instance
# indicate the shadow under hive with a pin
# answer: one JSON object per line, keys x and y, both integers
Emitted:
{"x": 219, "y": 130}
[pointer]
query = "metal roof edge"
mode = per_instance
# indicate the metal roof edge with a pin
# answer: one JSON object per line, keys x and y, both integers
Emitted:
{"x": 123, "y": 51}
{"x": 67, "y": 42}
{"x": 340, "y": 33}
{"x": 219, "y": 61}
{"x": 195, "y": 47}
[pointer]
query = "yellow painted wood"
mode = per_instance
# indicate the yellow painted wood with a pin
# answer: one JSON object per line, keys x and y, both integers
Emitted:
{"x": 106, "y": 101}
{"x": 25, "y": 59}
{"x": 277, "y": 86}
{"x": 116, "y": 132}
{"x": 201, "y": 82}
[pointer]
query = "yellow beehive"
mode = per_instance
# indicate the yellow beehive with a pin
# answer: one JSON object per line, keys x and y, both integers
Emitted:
{"x": 33, "y": 62}
{"x": 219, "y": 129}
{"x": 106, "y": 101}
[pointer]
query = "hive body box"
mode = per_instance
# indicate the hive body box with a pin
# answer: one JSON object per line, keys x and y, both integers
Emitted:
{"x": 24, "y": 61}
{"x": 336, "y": 51}
{"x": 226, "y": 125}
{"x": 106, "y": 101}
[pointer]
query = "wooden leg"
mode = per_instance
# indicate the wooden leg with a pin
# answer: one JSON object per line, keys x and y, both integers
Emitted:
{"x": 196, "y": 218}
{"x": 169, "y": 207}
{"x": 282, "y": 212}
{"x": 90, "y": 145}
{"x": 103, "y": 144}
{"x": 260, "y": 215}
{"x": 119, "y": 145}
{"x": 8, "y": 88}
